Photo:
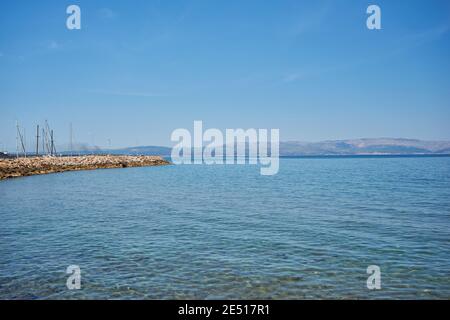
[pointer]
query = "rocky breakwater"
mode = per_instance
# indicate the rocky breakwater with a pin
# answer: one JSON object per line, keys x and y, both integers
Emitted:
{"x": 19, "y": 167}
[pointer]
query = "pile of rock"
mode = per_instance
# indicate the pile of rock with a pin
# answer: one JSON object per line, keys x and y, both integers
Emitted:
{"x": 4, "y": 155}
{"x": 18, "y": 167}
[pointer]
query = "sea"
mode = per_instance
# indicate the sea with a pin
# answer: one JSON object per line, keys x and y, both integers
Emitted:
{"x": 226, "y": 232}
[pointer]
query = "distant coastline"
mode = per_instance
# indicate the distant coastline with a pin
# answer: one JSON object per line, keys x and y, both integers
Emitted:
{"x": 350, "y": 147}
{"x": 325, "y": 156}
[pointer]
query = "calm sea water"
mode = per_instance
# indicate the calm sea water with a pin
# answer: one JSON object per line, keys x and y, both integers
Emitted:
{"x": 227, "y": 232}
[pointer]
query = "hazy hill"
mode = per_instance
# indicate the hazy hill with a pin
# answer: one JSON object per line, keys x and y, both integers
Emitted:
{"x": 364, "y": 146}
{"x": 380, "y": 146}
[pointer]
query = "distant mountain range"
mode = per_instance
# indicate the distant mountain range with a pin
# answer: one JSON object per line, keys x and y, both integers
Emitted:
{"x": 378, "y": 146}
{"x": 364, "y": 147}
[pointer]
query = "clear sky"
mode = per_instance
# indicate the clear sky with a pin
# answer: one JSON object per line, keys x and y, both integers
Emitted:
{"x": 137, "y": 70}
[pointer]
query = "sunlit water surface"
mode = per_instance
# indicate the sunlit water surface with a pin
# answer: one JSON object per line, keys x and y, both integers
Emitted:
{"x": 194, "y": 231}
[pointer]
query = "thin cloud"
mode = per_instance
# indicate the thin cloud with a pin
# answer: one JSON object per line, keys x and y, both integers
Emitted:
{"x": 53, "y": 45}
{"x": 421, "y": 38}
{"x": 406, "y": 43}
{"x": 311, "y": 19}
{"x": 292, "y": 77}
{"x": 107, "y": 13}
{"x": 128, "y": 93}
{"x": 412, "y": 41}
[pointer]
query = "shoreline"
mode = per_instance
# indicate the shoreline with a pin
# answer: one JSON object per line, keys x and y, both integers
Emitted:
{"x": 23, "y": 167}
{"x": 368, "y": 155}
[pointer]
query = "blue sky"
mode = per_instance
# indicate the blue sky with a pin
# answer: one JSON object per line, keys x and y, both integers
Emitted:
{"x": 137, "y": 70}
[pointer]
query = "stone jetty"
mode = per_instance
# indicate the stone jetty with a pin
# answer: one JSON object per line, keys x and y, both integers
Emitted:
{"x": 20, "y": 167}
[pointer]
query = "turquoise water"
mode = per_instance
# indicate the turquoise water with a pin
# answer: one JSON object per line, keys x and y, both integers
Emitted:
{"x": 212, "y": 232}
